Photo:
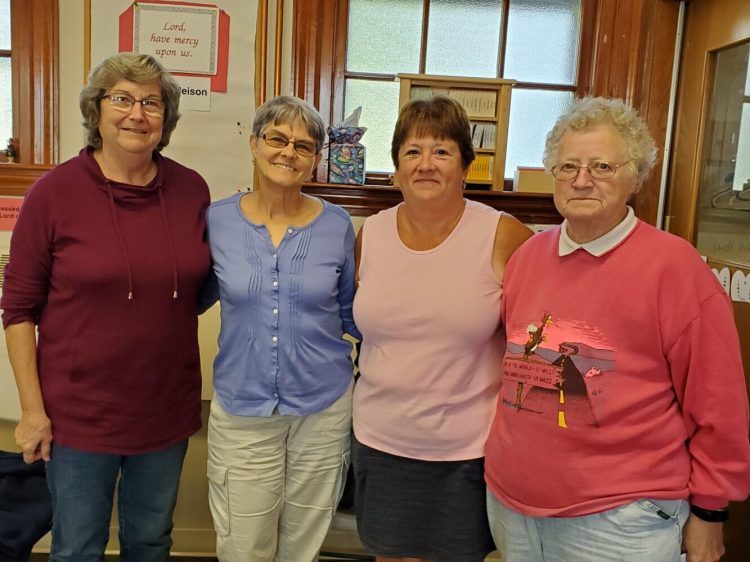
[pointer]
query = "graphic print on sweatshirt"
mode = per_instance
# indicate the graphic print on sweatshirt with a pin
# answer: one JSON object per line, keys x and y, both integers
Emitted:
{"x": 558, "y": 370}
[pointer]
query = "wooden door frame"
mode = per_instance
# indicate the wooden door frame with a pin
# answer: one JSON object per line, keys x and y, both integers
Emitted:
{"x": 710, "y": 27}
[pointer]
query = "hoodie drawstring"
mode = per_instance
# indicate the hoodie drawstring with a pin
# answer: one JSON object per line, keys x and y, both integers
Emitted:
{"x": 121, "y": 240}
{"x": 113, "y": 212}
{"x": 171, "y": 244}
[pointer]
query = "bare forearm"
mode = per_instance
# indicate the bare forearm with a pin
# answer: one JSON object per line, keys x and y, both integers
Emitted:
{"x": 21, "y": 342}
{"x": 34, "y": 431}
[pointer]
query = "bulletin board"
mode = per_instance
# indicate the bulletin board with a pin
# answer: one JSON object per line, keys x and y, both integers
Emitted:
{"x": 215, "y": 142}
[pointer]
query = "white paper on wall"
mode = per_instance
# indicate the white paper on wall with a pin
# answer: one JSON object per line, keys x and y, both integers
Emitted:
{"x": 206, "y": 137}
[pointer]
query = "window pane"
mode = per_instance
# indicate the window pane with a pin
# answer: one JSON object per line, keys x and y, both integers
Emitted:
{"x": 5, "y": 24}
{"x": 463, "y": 37}
{"x": 384, "y": 36}
{"x": 379, "y": 101}
{"x": 723, "y": 209}
{"x": 532, "y": 115}
{"x": 543, "y": 39}
{"x": 6, "y": 103}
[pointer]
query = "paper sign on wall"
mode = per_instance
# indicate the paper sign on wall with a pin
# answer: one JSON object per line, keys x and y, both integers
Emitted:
{"x": 9, "y": 207}
{"x": 189, "y": 39}
{"x": 196, "y": 93}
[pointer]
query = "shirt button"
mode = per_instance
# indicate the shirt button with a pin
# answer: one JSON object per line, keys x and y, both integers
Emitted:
{"x": 275, "y": 256}
{"x": 275, "y": 283}
{"x": 275, "y": 310}
{"x": 274, "y": 338}
{"x": 289, "y": 230}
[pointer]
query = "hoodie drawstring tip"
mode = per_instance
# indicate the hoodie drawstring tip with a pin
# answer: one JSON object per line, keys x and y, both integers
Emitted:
{"x": 130, "y": 296}
{"x": 174, "y": 295}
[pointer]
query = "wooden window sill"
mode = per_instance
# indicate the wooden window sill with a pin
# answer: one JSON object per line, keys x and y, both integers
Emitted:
{"x": 365, "y": 200}
{"x": 15, "y": 179}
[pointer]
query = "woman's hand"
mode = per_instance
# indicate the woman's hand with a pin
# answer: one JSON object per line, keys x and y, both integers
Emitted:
{"x": 34, "y": 431}
{"x": 703, "y": 541}
{"x": 34, "y": 436}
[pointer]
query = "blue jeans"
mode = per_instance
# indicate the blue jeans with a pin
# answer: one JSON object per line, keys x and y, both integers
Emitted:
{"x": 82, "y": 485}
{"x": 646, "y": 529}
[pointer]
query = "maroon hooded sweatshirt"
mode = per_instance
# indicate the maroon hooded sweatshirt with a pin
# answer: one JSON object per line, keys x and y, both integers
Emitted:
{"x": 111, "y": 274}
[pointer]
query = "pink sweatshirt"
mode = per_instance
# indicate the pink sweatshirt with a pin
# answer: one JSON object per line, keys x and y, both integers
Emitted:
{"x": 432, "y": 346}
{"x": 622, "y": 380}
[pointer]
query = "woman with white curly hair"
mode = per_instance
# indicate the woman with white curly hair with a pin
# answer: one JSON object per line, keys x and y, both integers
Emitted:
{"x": 623, "y": 434}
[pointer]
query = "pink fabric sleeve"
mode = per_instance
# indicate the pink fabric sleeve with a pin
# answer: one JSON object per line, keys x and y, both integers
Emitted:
{"x": 707, "y": 371}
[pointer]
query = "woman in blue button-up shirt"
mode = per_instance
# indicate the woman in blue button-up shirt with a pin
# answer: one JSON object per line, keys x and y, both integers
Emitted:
{"x": 278, "y": 434}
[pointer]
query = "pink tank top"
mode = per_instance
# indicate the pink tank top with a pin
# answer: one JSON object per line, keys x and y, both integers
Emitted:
{"x": 432, "y": 351}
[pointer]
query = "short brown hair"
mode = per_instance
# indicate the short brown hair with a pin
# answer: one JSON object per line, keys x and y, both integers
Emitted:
{"x": 441, "y": 117}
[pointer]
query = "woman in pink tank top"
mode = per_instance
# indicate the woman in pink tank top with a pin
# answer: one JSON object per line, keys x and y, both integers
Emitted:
{"x": 428, "y": 305}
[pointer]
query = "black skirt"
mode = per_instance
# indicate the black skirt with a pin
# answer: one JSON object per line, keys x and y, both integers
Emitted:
{"x": 410, "y": 508}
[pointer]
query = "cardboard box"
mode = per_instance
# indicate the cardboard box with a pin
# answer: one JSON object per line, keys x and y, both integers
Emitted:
{"x": 533, "y": 180}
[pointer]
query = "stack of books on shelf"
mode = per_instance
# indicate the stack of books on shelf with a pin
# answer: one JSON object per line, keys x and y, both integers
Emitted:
{"x": 483, "y": 134}
{"x": 477, "y": 103}
{"x": 481, "y": 168}
{"x": 426, "y": 92}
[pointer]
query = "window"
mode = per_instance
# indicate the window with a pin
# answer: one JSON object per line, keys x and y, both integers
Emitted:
{"x": 29, "y": 31}
{"x": 6, "y": 91}
{"x": 536, "y": 42}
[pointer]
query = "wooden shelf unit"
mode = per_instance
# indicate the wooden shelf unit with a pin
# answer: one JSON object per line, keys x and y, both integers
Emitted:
{"x": 465, "y": 90}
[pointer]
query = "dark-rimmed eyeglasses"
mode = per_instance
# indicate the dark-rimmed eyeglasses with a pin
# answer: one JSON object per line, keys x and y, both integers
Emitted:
{"x": 598, "y": 169}
{"x": 125, "y": 102}
{"x": 303, "y": 148}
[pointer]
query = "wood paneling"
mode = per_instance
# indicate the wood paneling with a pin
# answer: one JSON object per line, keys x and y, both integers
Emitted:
{"x": 656, "y": 63}
{"x": 35, "y": 79}
{"x": 316, "y": 23}
{"x": 365, "y": 200}
{"x": 633, "y": 60}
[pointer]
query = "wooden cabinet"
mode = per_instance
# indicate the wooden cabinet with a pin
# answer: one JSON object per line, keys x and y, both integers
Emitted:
{"x": 487, "y": 102}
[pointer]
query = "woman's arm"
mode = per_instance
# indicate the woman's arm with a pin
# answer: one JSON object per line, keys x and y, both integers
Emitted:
{"x": 347, "y": 285}
{"x": 34, "y": 431}
{"x": 357, "y": 256}
{"x": 703, "y": 541}
{"x": 510, "y": 234}
{"x": 209, "y": 292}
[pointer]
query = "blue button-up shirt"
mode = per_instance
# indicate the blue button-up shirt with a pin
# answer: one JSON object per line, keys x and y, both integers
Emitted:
{"x": 284, "y": 311}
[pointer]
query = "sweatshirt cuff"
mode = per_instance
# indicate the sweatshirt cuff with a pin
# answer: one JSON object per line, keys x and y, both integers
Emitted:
{"x": 708, "y": 502}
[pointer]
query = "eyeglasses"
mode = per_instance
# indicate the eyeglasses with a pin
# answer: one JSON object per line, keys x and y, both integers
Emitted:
{"x": 304, "y": 149}
{"x": 599, "y": 169}
{"x": 125, "y": 102}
